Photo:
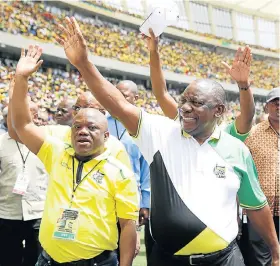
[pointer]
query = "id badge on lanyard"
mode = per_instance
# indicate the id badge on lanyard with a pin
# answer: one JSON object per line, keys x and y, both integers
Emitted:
{"x": 67, "y": 224}
{"x": 22, "y": 181}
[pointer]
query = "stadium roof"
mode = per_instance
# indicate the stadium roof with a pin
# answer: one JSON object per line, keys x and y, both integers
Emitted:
{"x": 269, "y": 9}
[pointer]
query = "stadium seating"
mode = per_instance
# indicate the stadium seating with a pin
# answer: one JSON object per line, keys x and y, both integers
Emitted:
{"x": 132, "y": 12}
{"x": 38, "y": 20}
{"x": 49, "y": 86}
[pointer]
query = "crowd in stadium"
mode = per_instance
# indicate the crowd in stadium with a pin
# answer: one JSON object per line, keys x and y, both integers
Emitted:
{"x": 38, "y": 20}
{"x": 134, "y": 12}
{"x": 50, "y": 86}
{"x": 88, "y": 161}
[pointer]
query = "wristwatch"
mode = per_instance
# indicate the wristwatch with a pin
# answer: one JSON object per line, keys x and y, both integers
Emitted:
{"x": 244, "y": 88}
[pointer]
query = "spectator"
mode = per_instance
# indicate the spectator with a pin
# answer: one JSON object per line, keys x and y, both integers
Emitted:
{"x": 264, "y": 144}
{"x": 121, "y": 43}
{"x": 3, "y": 125}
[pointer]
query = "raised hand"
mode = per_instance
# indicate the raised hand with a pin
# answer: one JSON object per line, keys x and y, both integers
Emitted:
{"x": 28, "y": 62}
{"x": 240, "y": 69}
{"x": 152, "y": 42}
{"x": 74, "y": 44}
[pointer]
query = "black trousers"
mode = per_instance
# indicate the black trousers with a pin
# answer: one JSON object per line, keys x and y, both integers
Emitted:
{"x": 259, "y": 253}
{"x": 229, "y": 257}
{"x": 12, "y": 234}
{"x": 149, "y": 242}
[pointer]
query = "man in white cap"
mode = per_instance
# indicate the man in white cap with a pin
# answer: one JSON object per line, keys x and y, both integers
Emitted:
{"x": 264, "y": 145}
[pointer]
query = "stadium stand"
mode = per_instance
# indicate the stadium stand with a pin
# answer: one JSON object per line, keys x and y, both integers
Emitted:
{"x": 50, "y": 85}
{"x": 112, "y": 6}
{"x": 111, "y": 40}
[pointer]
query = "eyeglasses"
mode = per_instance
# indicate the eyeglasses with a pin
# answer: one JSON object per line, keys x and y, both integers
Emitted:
{"x": 62, "y": 110}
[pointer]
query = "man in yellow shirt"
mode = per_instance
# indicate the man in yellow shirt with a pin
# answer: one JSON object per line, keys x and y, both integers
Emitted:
{"x": 88, "y": 189}
{"x": 63, "y": 132}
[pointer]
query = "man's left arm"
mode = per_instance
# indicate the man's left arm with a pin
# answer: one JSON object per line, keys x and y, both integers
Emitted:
{"x": 240, "y": 72}
{"x": 264, "y": 225}
{"x": 254, "y": 201}
{"x": 127, "y": 203}
{"x": 127, "y": 241}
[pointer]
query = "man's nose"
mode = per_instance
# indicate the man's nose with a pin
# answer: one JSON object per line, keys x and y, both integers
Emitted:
{"x": 186, "y": 108}
{"x": 83, "y": 131}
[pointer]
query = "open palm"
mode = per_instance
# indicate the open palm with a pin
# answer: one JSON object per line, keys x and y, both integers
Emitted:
{"x": 240, "y": 69}
{"x": 28, "y": 62}
{"x": 74, "y": 44}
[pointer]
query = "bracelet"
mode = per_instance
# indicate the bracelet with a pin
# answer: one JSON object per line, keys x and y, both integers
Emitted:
{"x": 244, "y": 88}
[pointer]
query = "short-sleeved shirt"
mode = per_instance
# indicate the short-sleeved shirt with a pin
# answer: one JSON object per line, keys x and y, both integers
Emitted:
{"x": 231, "y": 129}
{"x": 192, "y": 184}
{"x": 13, "y": 206}
{"x": 107, "y": 191}
{"x": 116, "y": 148}
{"x": 263, "y": 143}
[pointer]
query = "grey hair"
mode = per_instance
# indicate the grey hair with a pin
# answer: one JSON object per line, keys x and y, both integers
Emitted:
{"x": 213, "y": 87}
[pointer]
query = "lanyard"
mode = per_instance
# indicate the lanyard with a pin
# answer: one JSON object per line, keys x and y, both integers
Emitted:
{"x": 22, "y": 155}
{"x": 82, "y": 179}
{"x": 119, "y": 137}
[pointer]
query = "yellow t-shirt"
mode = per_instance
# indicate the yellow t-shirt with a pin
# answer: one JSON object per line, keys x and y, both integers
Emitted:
{"x": 108, "y": 191}
{"x": 116, "y": 148}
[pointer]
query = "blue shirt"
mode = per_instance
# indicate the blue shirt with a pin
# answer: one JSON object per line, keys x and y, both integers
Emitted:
{"x": 139, "y": 165}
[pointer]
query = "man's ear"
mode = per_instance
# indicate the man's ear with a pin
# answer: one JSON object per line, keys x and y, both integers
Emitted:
{"x": 106, "y": 135}
{"x": 35, "y": 116}
{"x": 220, "y": 109}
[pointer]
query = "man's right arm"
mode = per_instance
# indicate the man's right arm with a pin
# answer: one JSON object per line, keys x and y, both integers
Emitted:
{"x": 31, "y": 135}
{"x": 11, "y": 130}
{"x": 166, "y": 102}
{"x": 107, "y": 94}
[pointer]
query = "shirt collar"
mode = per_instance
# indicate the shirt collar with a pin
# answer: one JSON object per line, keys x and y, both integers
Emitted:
{"x": 215, "y": 135}
{"x": 103, "y": 156}
{"x": 266, "y": 124}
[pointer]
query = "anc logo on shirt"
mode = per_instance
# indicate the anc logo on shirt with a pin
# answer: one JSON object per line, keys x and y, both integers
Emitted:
{"x": 98, "y": 177}
{"x": 220, "y": 171}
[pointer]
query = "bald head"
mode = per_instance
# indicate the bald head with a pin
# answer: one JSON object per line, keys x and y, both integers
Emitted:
{"x": 87, "y": 100}
{"x": 129, "y": 90}
{"x": 86, "y": 96}
{"x": 63, "y": 115}
{"x": 93, "y": 115}
{"x": 67, "y": 102}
